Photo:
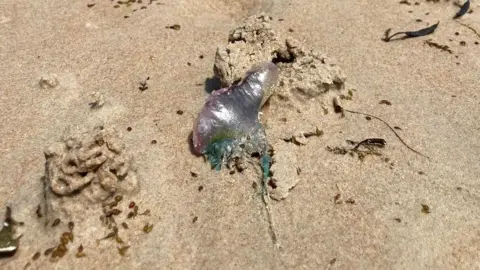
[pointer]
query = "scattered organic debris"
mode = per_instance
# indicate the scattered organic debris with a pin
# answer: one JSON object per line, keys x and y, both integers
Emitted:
{"x": 463, "y": 10}
{"x": 108, "y": 219}
{"x": 147, "y": 228}
{"x": 109, "y": 235}
{"x": 66, "y": 237}
{"x": 39, "y": 211}
{"x": 433, "y": 44}
{"x": 386, "y": 102}
{"x": 122, "y": 250}
{"x": 361, "y": 154}
{"x": 398, "y": 220}
{"x": 350, "y": 201}
{"x": 119, "y": 240}
{"x": 134, "y": 213}
{"x": 131, "y": 205}
{"x": 97, "y": 100}
{"x": 194, "y": 220}
{"x": 56, "y": 222}
{"x": 412, "y": 34}
{"x": 174, "y": 27}
{"x": 425, "y": 209}
{"x": 331, "y": 262}
{"x": 48, "y": 251}
{"x": 386, "y": 34}
{"x": 405, "y": 2}
{"x": 90, "y": 5}
{"x": 145, "y": 213}
{"x": 336, "y": 199}
{"x": 470, "y": 27}
{"x": 80, "y": 252}
{"x": 378, "y": 142}
{"x": 143, "y": 84}
{"x": 337, "y": 150}
{"x": 59, "y": 251}
{"x": 36, "y": 256}
{"x": 300, "y": 139}
{"x": 388, "y": 125}
{"x": 8, "y": 245}
{"x": 134, "y": 4}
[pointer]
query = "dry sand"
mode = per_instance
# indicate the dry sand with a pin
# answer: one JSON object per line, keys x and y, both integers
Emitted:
{"x": 434, "y": 98}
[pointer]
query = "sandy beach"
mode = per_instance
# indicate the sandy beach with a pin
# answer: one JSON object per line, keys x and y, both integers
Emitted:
{"x": 145, "y": 69}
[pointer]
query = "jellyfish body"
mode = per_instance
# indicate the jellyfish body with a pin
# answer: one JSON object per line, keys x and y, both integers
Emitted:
{"x": 229, "y": 120}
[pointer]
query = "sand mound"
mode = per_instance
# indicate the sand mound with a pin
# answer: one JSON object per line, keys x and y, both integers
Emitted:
{"x": 304, "y": 76}
{"x": 85, "y": 168}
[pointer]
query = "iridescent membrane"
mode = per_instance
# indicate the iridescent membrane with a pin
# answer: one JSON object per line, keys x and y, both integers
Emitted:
{"x": 228, "y": 125}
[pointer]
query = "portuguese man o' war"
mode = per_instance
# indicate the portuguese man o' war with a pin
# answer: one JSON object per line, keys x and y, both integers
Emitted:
{"x": 228, "y": 125}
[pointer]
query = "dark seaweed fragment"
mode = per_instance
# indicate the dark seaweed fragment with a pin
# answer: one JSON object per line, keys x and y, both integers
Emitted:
{"x": 411, "y": 34}
{"x": 433, "y": 44}
{"x": 462, "y": 10}
{"x": 379, "y": 142}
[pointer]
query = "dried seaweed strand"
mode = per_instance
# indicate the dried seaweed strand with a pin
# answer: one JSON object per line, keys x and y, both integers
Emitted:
{"x": 411, "y": 34}
{"x": 433, "y": 44}
{"x": 463, "y": 9}
{"x": 391, "y": 128}
{"x": 469, "y": 27}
